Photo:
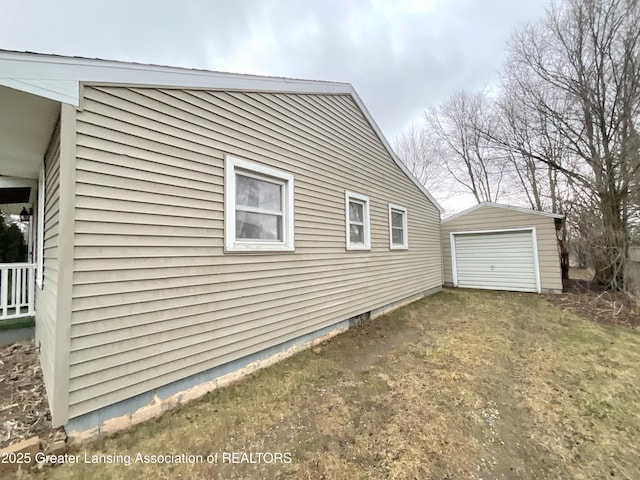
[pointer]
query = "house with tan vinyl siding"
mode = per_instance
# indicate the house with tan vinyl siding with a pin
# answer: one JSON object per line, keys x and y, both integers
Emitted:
{"x": 191, "y": 226}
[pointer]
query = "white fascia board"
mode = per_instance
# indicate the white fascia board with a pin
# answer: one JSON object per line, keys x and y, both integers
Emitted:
{"x": 387, "y": 146}
{"x": 58, "y": 78}
{"x": 65, "y": 91}
{"x": 16, "y": 182}
{"x": 506, "y": 207}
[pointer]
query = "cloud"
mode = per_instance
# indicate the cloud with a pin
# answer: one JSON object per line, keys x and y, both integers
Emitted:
{"x": 401, "y": 56}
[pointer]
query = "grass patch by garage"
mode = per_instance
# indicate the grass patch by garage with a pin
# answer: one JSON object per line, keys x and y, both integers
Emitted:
{"x": 459, "y": 385}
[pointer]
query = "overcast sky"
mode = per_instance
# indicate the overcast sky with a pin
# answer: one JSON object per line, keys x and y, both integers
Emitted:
{"x": 401, "y": 56}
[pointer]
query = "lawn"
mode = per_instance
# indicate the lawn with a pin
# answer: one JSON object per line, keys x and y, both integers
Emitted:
{"x": 459, "y": 385}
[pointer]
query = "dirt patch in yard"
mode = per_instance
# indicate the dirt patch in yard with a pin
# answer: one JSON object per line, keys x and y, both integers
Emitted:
{"x": 24, "y": 410}
{"x": 472, "y": 385}
{"x": 370, "y": 342}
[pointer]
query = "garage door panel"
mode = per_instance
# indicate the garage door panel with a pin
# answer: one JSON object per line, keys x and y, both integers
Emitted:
{"x": 499, "y": 287}
{"x": 482, "y": 265}
{"x": 498, "y": 274}
{"x": 472, "y": 262}
{"x": 496, "y": 279}
{"x": 480, "y": 251}
{"x": 497, "y": 261}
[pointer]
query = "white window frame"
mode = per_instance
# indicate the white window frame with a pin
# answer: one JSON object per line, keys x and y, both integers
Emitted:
{"x": 40, "y": 231}
{"x": 348, "y": 196}
{"x": 405, "y": 229}
{"x": 233, "y": 166}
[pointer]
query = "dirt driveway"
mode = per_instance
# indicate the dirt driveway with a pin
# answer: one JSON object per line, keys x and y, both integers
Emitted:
{"x": 463, "y": 385}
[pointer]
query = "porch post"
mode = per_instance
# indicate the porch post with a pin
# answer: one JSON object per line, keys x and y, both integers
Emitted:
{"x": 31, "y": 288}
{"x": 4, "y": 284}
{"x": 30, "y": 231}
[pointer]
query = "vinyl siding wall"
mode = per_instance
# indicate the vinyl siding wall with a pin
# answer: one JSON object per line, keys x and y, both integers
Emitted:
{"x": 156, "y": 299}
{"x": 46, "y": 298}
{"x": 494, "y": 218}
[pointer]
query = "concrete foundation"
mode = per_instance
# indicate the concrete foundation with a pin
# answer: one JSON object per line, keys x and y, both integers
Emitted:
{"x": 144, "y": 407}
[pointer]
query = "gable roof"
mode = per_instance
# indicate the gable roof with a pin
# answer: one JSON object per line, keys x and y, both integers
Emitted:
{"x": 59, "y": 78}
{"x": 506, "y": 207}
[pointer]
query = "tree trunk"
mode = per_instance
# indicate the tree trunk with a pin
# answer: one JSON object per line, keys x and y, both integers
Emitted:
{"x": 610, "y": 248}
{"x": 563, "y": 246}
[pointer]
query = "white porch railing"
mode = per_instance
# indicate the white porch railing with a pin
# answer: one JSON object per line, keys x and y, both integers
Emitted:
{"x": 17, "y": 289}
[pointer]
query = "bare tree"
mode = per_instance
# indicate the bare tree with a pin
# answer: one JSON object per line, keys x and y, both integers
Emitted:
{"x": 523, "y": 134}
{"x": 580, "y": 71}
{"x": 417, "y": 151}
{"x": 458, "y": 125}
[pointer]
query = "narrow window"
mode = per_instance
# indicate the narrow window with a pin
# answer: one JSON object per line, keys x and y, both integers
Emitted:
{"x": 357, "y": 215}
{"x": 398, "y": 234}
{"x": 258, "y": 207}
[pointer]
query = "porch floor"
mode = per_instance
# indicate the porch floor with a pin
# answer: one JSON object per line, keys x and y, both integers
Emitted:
{"x": 16, "y": 329}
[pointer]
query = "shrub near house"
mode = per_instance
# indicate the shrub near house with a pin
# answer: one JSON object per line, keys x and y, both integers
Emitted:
{"x": 13, "y": 248}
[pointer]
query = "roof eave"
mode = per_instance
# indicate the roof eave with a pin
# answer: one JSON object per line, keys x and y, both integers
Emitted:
{"x": 393, "y": 155}
{"x": 59, "y": 78}
{"x": 506, "y": 207}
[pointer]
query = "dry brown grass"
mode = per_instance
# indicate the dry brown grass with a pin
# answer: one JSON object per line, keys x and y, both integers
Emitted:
{"x": 459, "y": 385}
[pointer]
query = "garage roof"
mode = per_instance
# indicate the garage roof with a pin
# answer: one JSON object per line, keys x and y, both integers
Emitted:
{"x": 506, "y": 207}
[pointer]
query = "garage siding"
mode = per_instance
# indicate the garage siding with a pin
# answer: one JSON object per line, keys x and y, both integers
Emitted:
{"x": 489, "y": 217}
{"x": 155, "y": 297}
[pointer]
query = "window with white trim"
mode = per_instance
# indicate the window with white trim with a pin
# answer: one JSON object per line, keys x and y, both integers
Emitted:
{"x": 398, "y": 232}
{"x": 258, "y": 207}
{"x": 357, "y": 221}
{"x": 40, "y": 232}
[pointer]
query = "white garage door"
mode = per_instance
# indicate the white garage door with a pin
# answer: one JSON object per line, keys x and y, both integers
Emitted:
{"x": 496, "y": 261}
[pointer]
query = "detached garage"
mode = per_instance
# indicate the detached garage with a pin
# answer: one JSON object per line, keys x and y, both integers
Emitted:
{"x": 500, "y": 247}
